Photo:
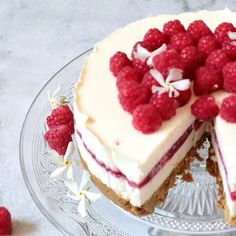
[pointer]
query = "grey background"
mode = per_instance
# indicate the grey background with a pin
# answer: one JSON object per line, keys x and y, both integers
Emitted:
{"x": 36, "y": 39}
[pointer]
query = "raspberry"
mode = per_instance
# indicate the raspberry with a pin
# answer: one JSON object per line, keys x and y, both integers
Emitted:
{"x": 229, "y": 74}
{"x": 190, "y": 59}
{"x": 207, "y": 44}
{"x": 171, "y": 28}
{"x": 140, "y": 65}
{"x": 206, "y": 81}
{"x": 230, "y": 48}
{"x": 221, "y": 31}
{"x": 166, "y": 60}
{"x": 184, "y": 97}
{"x": 146, "y": 119}
{"x": 149, "y": 81}
{"x": 128, "y": 73}
{"x": 61, "y": 116}
{"x": 132, "y": 94}
{"x": 205, "y": 108}
{"x": 228, "y": 109}
{"x": 181, "y": 41}
{"x": 165, "y": 105}
{"x": 217, "y": 59}
{"x": 154, "y": 38}
{"x": 197, "y": 29}
{"x": 5, "y": 221}
{"x": 58, "y": 138}
{"x": 118, "y": 61}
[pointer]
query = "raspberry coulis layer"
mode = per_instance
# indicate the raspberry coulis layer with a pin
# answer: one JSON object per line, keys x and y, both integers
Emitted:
{"x": 164, "y": 160}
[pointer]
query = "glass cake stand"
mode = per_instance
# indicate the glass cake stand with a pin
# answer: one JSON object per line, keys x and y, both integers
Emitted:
{"x": 190, "y": 208}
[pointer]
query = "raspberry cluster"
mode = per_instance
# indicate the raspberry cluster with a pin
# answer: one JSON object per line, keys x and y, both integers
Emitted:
{"x": 205, "y": 57}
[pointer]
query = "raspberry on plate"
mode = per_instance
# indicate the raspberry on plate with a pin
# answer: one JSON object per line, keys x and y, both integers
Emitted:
{"x": 132, "y": 94}
{"x": 207, "y": 44}
{"x": 207, "y": 81}
{"x": 128, "y": 73}
{"x": 61, "y": 116}
{"x": 146, "y": 119}
{"x": 140, "y": 65}
{"x": 228, "y": 109}
{"x": 205, "y": 108}
{"x": 58, "y": 138}
{"x": 154, "y": 38}
{"x": 180, "y": 41}
{"x": 197, "y": 29}
{"x": 165, "y": 105}
{"x": 184, "y": 97}
{"x": 217, "y": 59}
{"x": 229, "y": 47}
{"x": 221, "y": 31}
{"x": 166, "y": 60}
{"x": 171, "y": 28}
{"x": 118, "y": 61}
{"x": 149, "y": 81}
{"x": 229, "y": 74}
{"x": 5, "y": 222}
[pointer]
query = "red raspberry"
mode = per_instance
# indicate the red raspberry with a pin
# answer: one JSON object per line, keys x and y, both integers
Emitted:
{"x": 205, "y": 108}
{"x": 206, "y": 81}
{"x": 221, "y": 31}
{"x": 171, "y": 28}
{"x": 149, "y": 81}
{"x": 197, "y": 29}
{"x": 165, "y": 105}
{"x": 5, "y": 222}
{"x": 207, "y": 44}
{"x": 132, "y": 94}
{"x": 128, "y": 73}
{"x": 229, "y": 74}
{"x": 228, "y": 109}
{"x": 190, "y": 59}
{"x": 146, "y": 119}
{"x": 166, "y": 60}
{"x": 140, "y": 65}
{"x": 181, "y": 41}
{"x": 58, "y": 138}
{"x": 230, "y": 48}
{"x": 184, "y": 97}
{"x": 217, "y": 59}
{"x": 154, "y": 38}
{"x": 61, "y": 116}
{"x": 118, "y": 61}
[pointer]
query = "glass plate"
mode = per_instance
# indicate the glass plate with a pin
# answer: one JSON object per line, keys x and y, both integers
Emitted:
{"x": 190, "y": 208}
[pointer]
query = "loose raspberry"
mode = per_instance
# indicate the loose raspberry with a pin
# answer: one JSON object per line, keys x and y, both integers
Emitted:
{"x": 229, "y": 74}
{"x": 184, "y": 97}
{"x": 197, "y": 29}
{"x": 206, "y": 81}
{"x": 61, "y": 116}
{"x": 205, "y": 108}
{"x": 207, "y": 44}
{"x": 181, "y": 41}
{"x": 221, "y": 31}
{"x": 166, "y": 60}
{"x": 146, "y": 119}
{"x": 140, "y": 65}
{"x": 230, "y": 48}
{"x": 165, "y": 105}
{"x": 128, "y": 73}
{"x": 132, "y": 94}
{"x": 171, "y": 28}
{"x": 228, "y": 109}
{"x": 154, "y": 38}
{"x": 148, "y": 81}
{"x": 118, "y": 61}
{"x": 217, "y": 59}
{"x": 5, "y": 221}
{"x": 58, "y": 138}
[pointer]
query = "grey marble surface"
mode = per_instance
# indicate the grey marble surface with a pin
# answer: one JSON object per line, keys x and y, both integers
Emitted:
{"x": 36, "y": 39}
